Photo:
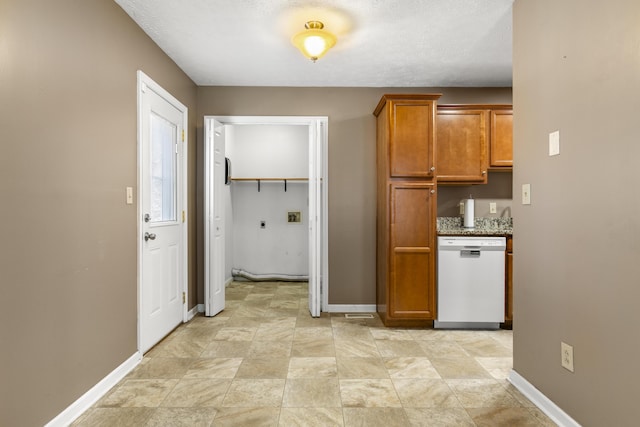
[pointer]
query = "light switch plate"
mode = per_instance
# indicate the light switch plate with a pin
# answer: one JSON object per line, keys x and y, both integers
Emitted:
{"x": 492, "y": 207}
{"x": 554, "y": 143}
{"x": 129, "y": 195}
{"x": 526, "y": 194}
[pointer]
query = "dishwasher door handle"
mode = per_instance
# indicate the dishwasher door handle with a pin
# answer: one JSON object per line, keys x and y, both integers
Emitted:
{"x": 470, "y": 253}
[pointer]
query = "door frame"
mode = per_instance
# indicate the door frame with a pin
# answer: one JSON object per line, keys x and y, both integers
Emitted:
{"x": 144, "y": 82}
{"x": 319, "y": 157}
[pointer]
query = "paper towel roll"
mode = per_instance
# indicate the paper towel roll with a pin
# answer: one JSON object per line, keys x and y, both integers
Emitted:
{"x": 469, "y": 219}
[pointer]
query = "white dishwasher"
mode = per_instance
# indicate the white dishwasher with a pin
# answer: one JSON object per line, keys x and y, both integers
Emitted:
{"x": 470, "y": 282}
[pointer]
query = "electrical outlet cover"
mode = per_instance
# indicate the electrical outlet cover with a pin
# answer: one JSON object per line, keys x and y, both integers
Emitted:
{"x": 567, "y": 356}
{"x": 294, "y": 217}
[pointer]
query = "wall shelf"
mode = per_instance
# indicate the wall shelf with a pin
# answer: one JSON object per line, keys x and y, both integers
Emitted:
{"x": 259, "y": 180}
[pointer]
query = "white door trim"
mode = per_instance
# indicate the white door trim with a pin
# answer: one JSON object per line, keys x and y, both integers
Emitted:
{"x": 321, "y": 158}
{"x": 145, "y": 82}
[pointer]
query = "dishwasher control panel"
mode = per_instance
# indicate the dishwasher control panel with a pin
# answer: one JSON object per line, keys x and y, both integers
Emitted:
{"x": 458, "y": 243}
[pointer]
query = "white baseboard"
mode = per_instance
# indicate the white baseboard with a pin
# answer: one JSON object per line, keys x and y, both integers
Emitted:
{"x": 200, "y": 308}
{"x": 350, "y": 308}
{"x": 85, "y": 401}
{"x": 191, "y": 313}
{"x": 547, "y": 406}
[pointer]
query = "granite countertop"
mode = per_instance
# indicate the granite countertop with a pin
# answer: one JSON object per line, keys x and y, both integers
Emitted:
{"x": 453, "y": 226}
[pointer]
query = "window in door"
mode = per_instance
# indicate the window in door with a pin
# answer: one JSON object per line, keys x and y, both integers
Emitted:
{"x": 163, "y": 170}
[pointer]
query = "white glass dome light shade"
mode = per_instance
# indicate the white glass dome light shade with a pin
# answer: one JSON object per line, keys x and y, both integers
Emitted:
{"x": 314, "y": 45}
{"x": 314, "y": 42}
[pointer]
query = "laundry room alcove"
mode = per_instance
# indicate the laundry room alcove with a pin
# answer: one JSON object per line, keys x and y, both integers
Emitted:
{"x": 267, "y": 202}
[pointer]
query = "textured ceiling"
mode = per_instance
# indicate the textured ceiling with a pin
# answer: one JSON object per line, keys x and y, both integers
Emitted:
{"x": 411, "y": 43}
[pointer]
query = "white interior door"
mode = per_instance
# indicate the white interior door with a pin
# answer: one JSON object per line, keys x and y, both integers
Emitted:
{"x": 161, "y": 201}
{"x": 215, "y": 220}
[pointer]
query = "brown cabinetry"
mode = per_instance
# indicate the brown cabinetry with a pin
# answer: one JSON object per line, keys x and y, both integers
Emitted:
{"x": 411, "y": 139}
{"x": 508, "y": 286}
{"x": 406, "y": 209}
{"x": 462, "y": 149}
{"x": 411, "y": 279}
{"x": 501, "y": 137}
{"x": 471, "y": 140}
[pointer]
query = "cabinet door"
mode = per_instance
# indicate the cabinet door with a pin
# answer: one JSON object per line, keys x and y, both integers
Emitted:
{"x": 412, "y": 272}
{"x": 411, "y": 139}
{"x": 501, "y": 138}
{"x": 462, "y": 146}
{"x": 508, "y": 297}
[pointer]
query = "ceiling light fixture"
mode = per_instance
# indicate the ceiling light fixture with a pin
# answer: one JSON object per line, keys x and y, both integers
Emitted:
{"x": 314, "y": 42}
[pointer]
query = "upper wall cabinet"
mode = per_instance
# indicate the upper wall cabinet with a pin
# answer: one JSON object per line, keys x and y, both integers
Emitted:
{"x": 471, "y": 140}
{"x": 501, "y": 147}
{"x": 411, "y": 135}
{"x": 462, "y": 150}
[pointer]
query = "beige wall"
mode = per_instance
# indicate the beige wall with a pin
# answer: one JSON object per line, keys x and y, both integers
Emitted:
{"x": 577, "y": 246}
{"x": 68, "y": 291}
{"x": 498, "y": 189}
{"x": 352, "y": 162}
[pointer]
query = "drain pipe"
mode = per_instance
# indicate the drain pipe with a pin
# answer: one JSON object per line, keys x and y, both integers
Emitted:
{"x": 236, "y": 272}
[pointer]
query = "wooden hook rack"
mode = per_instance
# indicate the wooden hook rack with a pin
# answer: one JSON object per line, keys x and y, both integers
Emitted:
{"x": 259, "y": 180}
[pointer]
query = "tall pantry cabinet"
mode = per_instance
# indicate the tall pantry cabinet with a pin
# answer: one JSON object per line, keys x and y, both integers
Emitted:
{"x": 406, "y": 209}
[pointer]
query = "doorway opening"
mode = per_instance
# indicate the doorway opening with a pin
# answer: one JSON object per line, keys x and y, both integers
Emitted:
{"x": 293, "y": 194}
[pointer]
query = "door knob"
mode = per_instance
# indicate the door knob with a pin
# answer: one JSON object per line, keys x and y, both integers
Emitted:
{"x": 149, "y": 236}
{"x": 147, "y": 217}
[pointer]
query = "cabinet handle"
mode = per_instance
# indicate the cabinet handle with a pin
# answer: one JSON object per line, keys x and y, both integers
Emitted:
{"x": 433, "y": 191}
{"x": 484, "y": 172}
{"x": 433, "y": 168}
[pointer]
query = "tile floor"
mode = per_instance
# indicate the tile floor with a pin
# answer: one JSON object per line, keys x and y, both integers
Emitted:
{"x": 264, "y": 361}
